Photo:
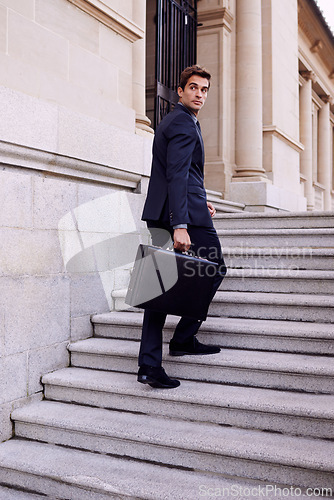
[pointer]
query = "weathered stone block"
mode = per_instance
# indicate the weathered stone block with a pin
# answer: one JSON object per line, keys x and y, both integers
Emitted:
{"x": 81, "y": 327}
{"x": 97, "y": 142}
{"x": 27, "y": 120}
{"x": 45, "y": 360}
{"x": 30, "y": 252}
{"x": 68, "y": 21}
{"x": 15, "y": 199}
{"x": 110, "y": 213}
{"x": 121, "y": 7}
{"x": 3, "y": 29}
{"x": 87, "y": 295}
{"x": 262, "y": 194}
{"x": 119, "y": 115}
{"x": 6, "y": 428}
{"x": 147, "y": 159}
{"x": 37, "y": 312}
{"x": 40, "y": 47}
{"x": 124, "y": 88}
{"x": 64, "y": 199}
{"x": 26, "y": 8}
{"x": 19, "y": 75}
{"x": 2, "y": 327}
{"x": 71, "y": 249}
{"x": 136, "y": 203}
{"x": 90, "y": 193}
{"x": 92, "y": 72}
{"x": 126, "y": 158}
{"x": 54, "y": 89}
{"x": 108, "y": 283}
{"x": 122, "y": 278}
{"x": 13, "y": 377}
{"x": 78, "y": 99}
{"x": 116, "y": 49}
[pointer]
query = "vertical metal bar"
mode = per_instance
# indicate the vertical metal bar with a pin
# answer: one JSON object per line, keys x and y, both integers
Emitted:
{"x": 195, "y": 32}
{"x": 167, "y": 41}
{"x": 172, "y": 47}
{"x": 178, "y": 48}
{"x": 163, "y": 45}
{"x": 163, "y": 42}
{"x": 158, "y": 42}
{"x": 157, "y": 60}
{"x": 175, "y": 48}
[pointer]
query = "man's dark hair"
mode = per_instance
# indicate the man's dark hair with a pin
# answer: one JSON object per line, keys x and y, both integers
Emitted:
{"x": 193, "y": 70}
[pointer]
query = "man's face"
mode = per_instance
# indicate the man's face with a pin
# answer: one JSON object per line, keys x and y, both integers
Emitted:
{"x": 194, "y": 94}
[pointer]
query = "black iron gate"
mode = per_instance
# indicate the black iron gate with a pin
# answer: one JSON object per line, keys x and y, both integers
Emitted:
{"x": 175, "y": 50}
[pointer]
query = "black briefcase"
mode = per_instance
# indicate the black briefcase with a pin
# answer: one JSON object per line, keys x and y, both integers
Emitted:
{"x": 171, "y": 282}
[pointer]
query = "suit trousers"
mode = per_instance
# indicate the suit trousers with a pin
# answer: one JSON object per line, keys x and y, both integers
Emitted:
{"x": 204, "y": 243}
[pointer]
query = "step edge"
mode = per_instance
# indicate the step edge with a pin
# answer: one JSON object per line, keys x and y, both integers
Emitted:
{"x": 185, "y": 444}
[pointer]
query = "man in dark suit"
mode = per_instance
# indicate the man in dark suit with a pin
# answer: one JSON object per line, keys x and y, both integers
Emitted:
{"x": 176, "y": 203}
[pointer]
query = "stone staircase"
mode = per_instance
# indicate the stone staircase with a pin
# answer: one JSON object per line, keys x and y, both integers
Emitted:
{"x": 259, "y": 413}
{"x": 223, "y": 206}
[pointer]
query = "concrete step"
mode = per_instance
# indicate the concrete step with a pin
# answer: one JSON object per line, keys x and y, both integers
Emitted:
{"x": 309, "y": 415}
{"x": 290, "y": 258}
{"x": 207, "y": 448}
{"x": 14, "y": 494}
{"x": 231, "y": 366}
{"x": 277, "y": 306}
{"x": 290, "y": 220}
{"x": 63, "y": 473}
{"x": 258, "y": 305}
{"x": 308, "y": 238}
{"x": 240, "y": 333}
{"x": 279, "y": 281}
{"x": 221, "y": 205}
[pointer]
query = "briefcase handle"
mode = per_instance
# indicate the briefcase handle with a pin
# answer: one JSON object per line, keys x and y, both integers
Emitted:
{"x": 172, "y": 249}
{"x": 184, "y": 253}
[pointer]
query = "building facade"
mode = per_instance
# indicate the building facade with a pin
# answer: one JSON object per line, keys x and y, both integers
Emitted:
{"x": 269, "y": 140}
{"x": 78, "y": 85}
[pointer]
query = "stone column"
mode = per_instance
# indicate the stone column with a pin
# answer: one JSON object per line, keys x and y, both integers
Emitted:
{"x": 249, "y": 92}
{"x": 138, "y": 69}
{"x": 324, "y": 154}
{"x": 216, "y": 51}
{"x": 306, "y": 163}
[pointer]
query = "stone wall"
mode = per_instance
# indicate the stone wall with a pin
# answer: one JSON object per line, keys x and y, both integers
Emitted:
{"x": 71, "y": 170}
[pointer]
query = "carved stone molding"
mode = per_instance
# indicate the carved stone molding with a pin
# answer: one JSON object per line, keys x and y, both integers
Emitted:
{"x": 220, "y": 17}
{"x": 308, "y": 75}
{"x": 277, "y": 132}
{"x": 313, "y": 27}
{"x": 143, "y": 123}
{"x": 109, "y": 17}
{"x": 65, "y": 166}
{"x": 317, "y": 46}
{"x": 327, "y": 99}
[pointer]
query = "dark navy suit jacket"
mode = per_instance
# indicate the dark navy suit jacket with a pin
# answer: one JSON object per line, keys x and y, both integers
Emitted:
{"x": 176, "y": 193}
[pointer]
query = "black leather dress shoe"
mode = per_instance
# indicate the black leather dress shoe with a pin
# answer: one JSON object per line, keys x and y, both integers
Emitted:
{"x": 156, "y": 377}
{"x": 193, "y": 346}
